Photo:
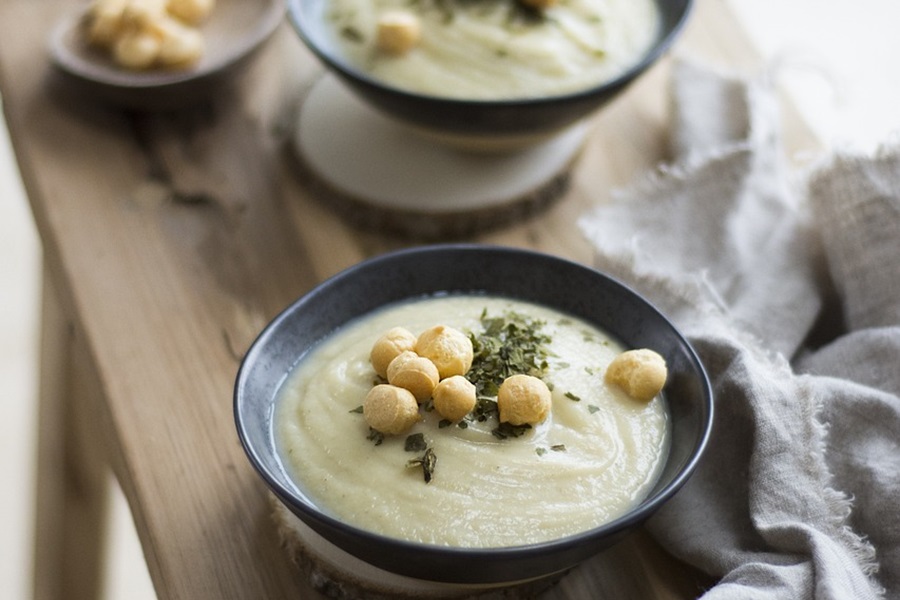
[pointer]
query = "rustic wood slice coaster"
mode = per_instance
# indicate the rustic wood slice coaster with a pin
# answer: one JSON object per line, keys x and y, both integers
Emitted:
{"x": 337, "y": 574}
{"x": 383, "y": 175}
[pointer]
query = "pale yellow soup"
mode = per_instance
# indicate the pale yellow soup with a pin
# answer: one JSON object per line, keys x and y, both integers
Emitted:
{"x": 596, "y": 456}
{"x": 486, "y": 49}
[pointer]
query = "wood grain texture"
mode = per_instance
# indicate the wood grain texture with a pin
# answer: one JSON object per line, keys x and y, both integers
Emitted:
{"x": 73, "y": 484}
{"x": 172, "y": 238}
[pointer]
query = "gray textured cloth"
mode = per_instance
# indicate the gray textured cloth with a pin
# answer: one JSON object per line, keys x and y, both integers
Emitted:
{"x": 789, "y": 289}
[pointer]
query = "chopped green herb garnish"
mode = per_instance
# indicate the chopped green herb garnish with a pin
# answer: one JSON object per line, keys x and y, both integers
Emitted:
{"x": 522, "y": 14}
{"x": 540, "y": 451}
{"x": 444, "y": 423}
{"x": 558, "y": 447}
{"x": 375, "y": 436}
{"x": 415, "y": 443}
{"x": 462, "y": 425}
{"x": 506, "y": 430}
{"x": 427, "y": 461}
{"x": 509, "y": 345}
{"x": 485, "y": 409}
{"x": 593, "y": 409}
{"x": 352, "y": 34}
{"x": 572, "y": 396}
{"x": 358, "y": 410}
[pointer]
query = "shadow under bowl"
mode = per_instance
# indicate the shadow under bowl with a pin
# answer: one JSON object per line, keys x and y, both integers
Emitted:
{"x": 514, "y": 273}
{"x": 463, "y": 120}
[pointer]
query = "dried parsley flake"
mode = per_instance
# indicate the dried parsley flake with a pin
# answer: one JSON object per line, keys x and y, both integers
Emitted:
{"x": 510, "y": 344}
{"x": 375, "y": 436}
{"x": 506, "y": 430}
{"x": 415, "y": 443}
{"x": 427, "y": 461}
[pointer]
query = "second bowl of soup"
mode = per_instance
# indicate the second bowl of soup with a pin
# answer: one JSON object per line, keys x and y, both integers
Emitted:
{"x": 494, "y": 69}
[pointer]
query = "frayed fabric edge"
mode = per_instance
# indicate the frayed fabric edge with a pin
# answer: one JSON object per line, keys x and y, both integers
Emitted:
{"x": 692, "y": 292}
{"x": 839, "y": 502}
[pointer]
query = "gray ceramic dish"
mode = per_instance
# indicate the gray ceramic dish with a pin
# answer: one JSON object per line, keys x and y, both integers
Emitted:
{"x": 235, "y": 30}
{"x": 452, "y": 118}
{"x": 515, "y": 273}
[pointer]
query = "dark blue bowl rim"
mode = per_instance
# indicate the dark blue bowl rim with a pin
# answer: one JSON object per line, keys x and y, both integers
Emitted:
{"x": 652, "y": 55}
{"x": 634, "y": 517}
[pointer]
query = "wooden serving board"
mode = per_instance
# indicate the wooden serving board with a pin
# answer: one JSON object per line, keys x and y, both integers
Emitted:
{"x": 171, "y": 239}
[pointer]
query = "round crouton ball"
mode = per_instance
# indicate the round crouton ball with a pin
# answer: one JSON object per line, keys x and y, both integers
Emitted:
{"x": 414, "y": 373}
{"x": 104, "y": 22}
{"x": 179, "y": 45}
{"x": 136, "y": 50}
{"x": 522, "y": 400}
{"x": 191, "y": 11}
{"x": 448, "y": 348}
{"x": 397, "y": 32}
{"x": 640, "y": 373}
{"x": 389, "y": 346}
{"x": 390, "y": 409}
{"x": 454, "y": 397}
{"x": 143, "y": 14}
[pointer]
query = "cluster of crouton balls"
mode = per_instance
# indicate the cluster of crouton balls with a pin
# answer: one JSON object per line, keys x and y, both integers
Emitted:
{"x": 434, "y": 364}
{"x": 144, "y": 34}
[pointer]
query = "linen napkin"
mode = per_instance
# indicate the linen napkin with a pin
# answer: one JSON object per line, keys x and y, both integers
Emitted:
{"x": 788, "y": 286}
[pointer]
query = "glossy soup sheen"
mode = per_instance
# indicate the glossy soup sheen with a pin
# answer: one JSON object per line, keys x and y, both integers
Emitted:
{"x": 596, "y": 456}
{"x": 488, "y": 49}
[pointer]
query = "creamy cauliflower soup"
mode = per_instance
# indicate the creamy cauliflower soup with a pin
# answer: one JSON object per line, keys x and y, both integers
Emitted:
{"x": 592, "y": 453}
{"x": 492, "y": 49}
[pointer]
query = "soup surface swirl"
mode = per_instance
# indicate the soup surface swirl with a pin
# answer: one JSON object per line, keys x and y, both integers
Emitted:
{"x": 596, "y": 455}
{"x": 490, "y": 49}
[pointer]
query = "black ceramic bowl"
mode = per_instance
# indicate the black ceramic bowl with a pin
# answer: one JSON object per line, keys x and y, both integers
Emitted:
{"x": 514, "y": 273}
{"x": 525, "y": 118}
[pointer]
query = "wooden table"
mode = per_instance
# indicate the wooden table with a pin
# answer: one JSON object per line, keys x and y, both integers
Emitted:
{"x": 169, "y": 241}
